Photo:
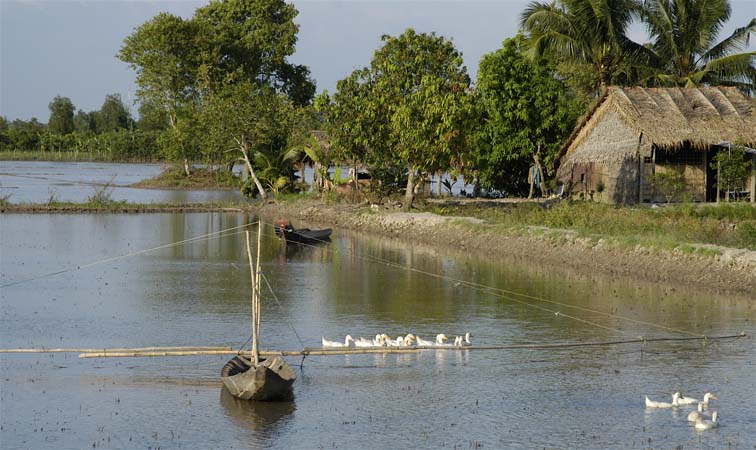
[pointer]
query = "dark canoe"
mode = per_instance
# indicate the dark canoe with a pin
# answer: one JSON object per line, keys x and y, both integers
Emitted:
{"x": 306, "y": 235}
{"x": 285, "y": 230}
{"x": 272, "y": 380}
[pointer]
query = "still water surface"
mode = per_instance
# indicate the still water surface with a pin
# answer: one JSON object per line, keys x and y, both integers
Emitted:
{"x": 198, "y": 294}
{"x": 39, "y": 181}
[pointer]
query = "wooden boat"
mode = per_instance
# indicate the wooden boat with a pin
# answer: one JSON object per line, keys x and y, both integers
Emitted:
{"x": 258, "y": 379}
{"x": 285, "y": 230}
{"x": 271, "y": 380}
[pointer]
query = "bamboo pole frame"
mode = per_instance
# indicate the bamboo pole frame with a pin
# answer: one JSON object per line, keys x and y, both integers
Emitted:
{"x": 310, "y": 351}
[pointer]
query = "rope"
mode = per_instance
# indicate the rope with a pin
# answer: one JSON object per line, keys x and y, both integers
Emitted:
{"x": 500, "y": 293}
{"x": 115, "y": 258}
{"x": 291, "y": 325}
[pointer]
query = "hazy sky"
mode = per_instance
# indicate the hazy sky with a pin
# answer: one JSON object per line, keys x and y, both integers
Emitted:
{"x": 66, "y": 47}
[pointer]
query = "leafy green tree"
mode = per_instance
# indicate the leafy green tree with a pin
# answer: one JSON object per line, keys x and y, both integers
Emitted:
{"x": 732, "y": 166}
{"x": 152, "y": 117}
{"x": 586, "y": 32}
{"x": 23, "y": 135}
{"x": 685, "y": 51}
{"x": 412, "y": 107}
{"x": 246, "y": 119}
{"x": 84, "y": 123}
{"x": 113, "y": 115}
{"x": 525, "y": 110}
{"x": 251, "y": 41}
{"x": 61, "y": 115}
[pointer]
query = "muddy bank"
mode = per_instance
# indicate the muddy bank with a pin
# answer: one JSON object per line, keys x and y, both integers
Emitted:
{"x": 718, "y": 269}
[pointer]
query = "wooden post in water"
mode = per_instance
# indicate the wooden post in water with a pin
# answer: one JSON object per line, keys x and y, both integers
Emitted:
{"x": 258, "y": 312}
{"x": 254, "y": 302}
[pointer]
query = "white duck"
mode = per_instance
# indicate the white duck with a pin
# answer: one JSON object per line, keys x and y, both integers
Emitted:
{"x": 424, "y": 343}
{"x": 675, "y": 402}
{"x": 707, "y": 424}
{"x": 699, "y": 414}
{"x": 362, "y": 342}
{"x": 440, "y": 338}
{"x": 458, "y": 341}
{"x": 467, "y": 340}
{"x": 690, "y": 400}
{"x": 348, "y": 342}
{"x": 409, "y": 340}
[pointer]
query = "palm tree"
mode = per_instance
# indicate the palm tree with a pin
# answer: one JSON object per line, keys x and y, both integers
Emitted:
{"x": 684, "y": 48}
{"x": 590, "y": 32}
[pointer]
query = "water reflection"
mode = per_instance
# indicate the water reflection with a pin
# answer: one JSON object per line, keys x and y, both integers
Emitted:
{"x": 264, "y": 418}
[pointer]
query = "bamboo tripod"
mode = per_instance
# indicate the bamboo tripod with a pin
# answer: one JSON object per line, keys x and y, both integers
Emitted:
{"x": 254, "y": 268}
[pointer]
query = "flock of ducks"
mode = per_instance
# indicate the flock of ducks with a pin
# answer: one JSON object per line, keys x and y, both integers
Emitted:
{"x": 704, "y": 420}
{"x": 410, "y": 340}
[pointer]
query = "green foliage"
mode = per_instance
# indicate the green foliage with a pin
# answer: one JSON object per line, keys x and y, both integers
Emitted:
{"x": 730, "y": 225}
{"x": 84, "y": 122}
{"x": 585, "y": 32}
{"x": 410, "y": 108}
{"x": 685, "y": 52}
{"x": 670, "y": 182}
{"x": 524, "y": 109}
{"x": 61, "y": 115}
{"x": 113, "y": 115}
{"x": 733, "y": 166}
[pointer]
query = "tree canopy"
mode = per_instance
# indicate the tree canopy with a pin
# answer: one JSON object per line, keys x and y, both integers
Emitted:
{"x": 414, "y": 107}
{"x": 61, "y": 115}
{"x": 525, "y": 110}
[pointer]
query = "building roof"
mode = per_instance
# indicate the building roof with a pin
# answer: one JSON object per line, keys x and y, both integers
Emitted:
{"x": 671, "y": 117}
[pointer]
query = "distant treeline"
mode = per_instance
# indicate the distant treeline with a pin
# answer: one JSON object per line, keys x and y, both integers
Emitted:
{"x": 109, "y": 133}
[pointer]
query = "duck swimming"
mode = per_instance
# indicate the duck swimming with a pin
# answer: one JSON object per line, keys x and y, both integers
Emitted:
{"x": 424, "y": 343}
{"x": 699, "y": 414}
{"x": 702, "y": 424}
{"x": 348, "y": 342}
{"x": 675, "y": 402}
{"x": 690, "y": 400}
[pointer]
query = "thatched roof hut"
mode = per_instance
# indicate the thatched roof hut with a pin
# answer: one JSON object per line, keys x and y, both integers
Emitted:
{"x": 626, "y": 127}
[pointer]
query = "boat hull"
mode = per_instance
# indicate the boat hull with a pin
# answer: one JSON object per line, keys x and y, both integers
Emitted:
{"x": 271, "y": 380}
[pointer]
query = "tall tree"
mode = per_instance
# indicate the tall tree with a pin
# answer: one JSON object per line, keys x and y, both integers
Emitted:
{"x": 113, "y": 115}
{"x": 84, "y": 122}
{"x": 526, "y": 110}
{"x": 685, "y": 51}
{"x": 588, "y": 32}
{"x": 414, "y": 108}
{"x": 61, "y": 115}
{"x": 251, "y": 41}
{"x": 248, "y": 122}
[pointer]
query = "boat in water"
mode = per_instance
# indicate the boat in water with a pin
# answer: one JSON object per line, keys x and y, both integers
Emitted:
{"x": 271, "y": 380}
{"x": 258, "y": 378}
{"x": 288, "y": 233}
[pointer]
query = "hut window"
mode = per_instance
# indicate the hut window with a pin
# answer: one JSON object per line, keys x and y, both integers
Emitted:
{"x": 647, "y": 159}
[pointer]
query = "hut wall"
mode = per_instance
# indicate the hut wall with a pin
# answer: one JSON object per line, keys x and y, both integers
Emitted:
{"x": 607, "y": 156}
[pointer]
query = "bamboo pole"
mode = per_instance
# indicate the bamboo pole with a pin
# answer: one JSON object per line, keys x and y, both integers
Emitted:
{"x": 133, "y": 350}
{"x": 254, "y": 308}
{"x": 258, "y": 311}
{"x": 310, "y": 351}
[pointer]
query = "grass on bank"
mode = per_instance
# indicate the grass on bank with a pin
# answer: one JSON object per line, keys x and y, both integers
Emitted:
{"x": 174, "y": 177}
{"x": 669, "y": 227}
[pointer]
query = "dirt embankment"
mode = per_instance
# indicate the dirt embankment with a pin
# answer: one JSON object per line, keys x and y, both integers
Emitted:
{"x": 733, "y": 270}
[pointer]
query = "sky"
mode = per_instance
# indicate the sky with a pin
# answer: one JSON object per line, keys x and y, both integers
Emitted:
{"x": 68, "y": 47}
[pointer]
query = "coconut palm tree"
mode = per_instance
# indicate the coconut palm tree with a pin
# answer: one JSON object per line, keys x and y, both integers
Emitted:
{"x": 685, "y": 51}
{"x": 590, "y": 32}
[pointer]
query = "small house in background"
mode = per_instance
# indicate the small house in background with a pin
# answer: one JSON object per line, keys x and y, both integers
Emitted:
{"x": 632, "y": 135}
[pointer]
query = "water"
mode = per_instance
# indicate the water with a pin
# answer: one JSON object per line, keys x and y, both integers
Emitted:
{"x": 198, "y": 294}
{"x": 39, "y": 181}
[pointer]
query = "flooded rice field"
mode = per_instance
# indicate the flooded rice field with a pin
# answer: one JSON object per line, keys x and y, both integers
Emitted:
{"x": 41, "y": 181}
{"x": 198, "y": 294}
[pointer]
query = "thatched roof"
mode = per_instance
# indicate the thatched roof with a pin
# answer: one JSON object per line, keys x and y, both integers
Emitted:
{"x": 671, "y": 117}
